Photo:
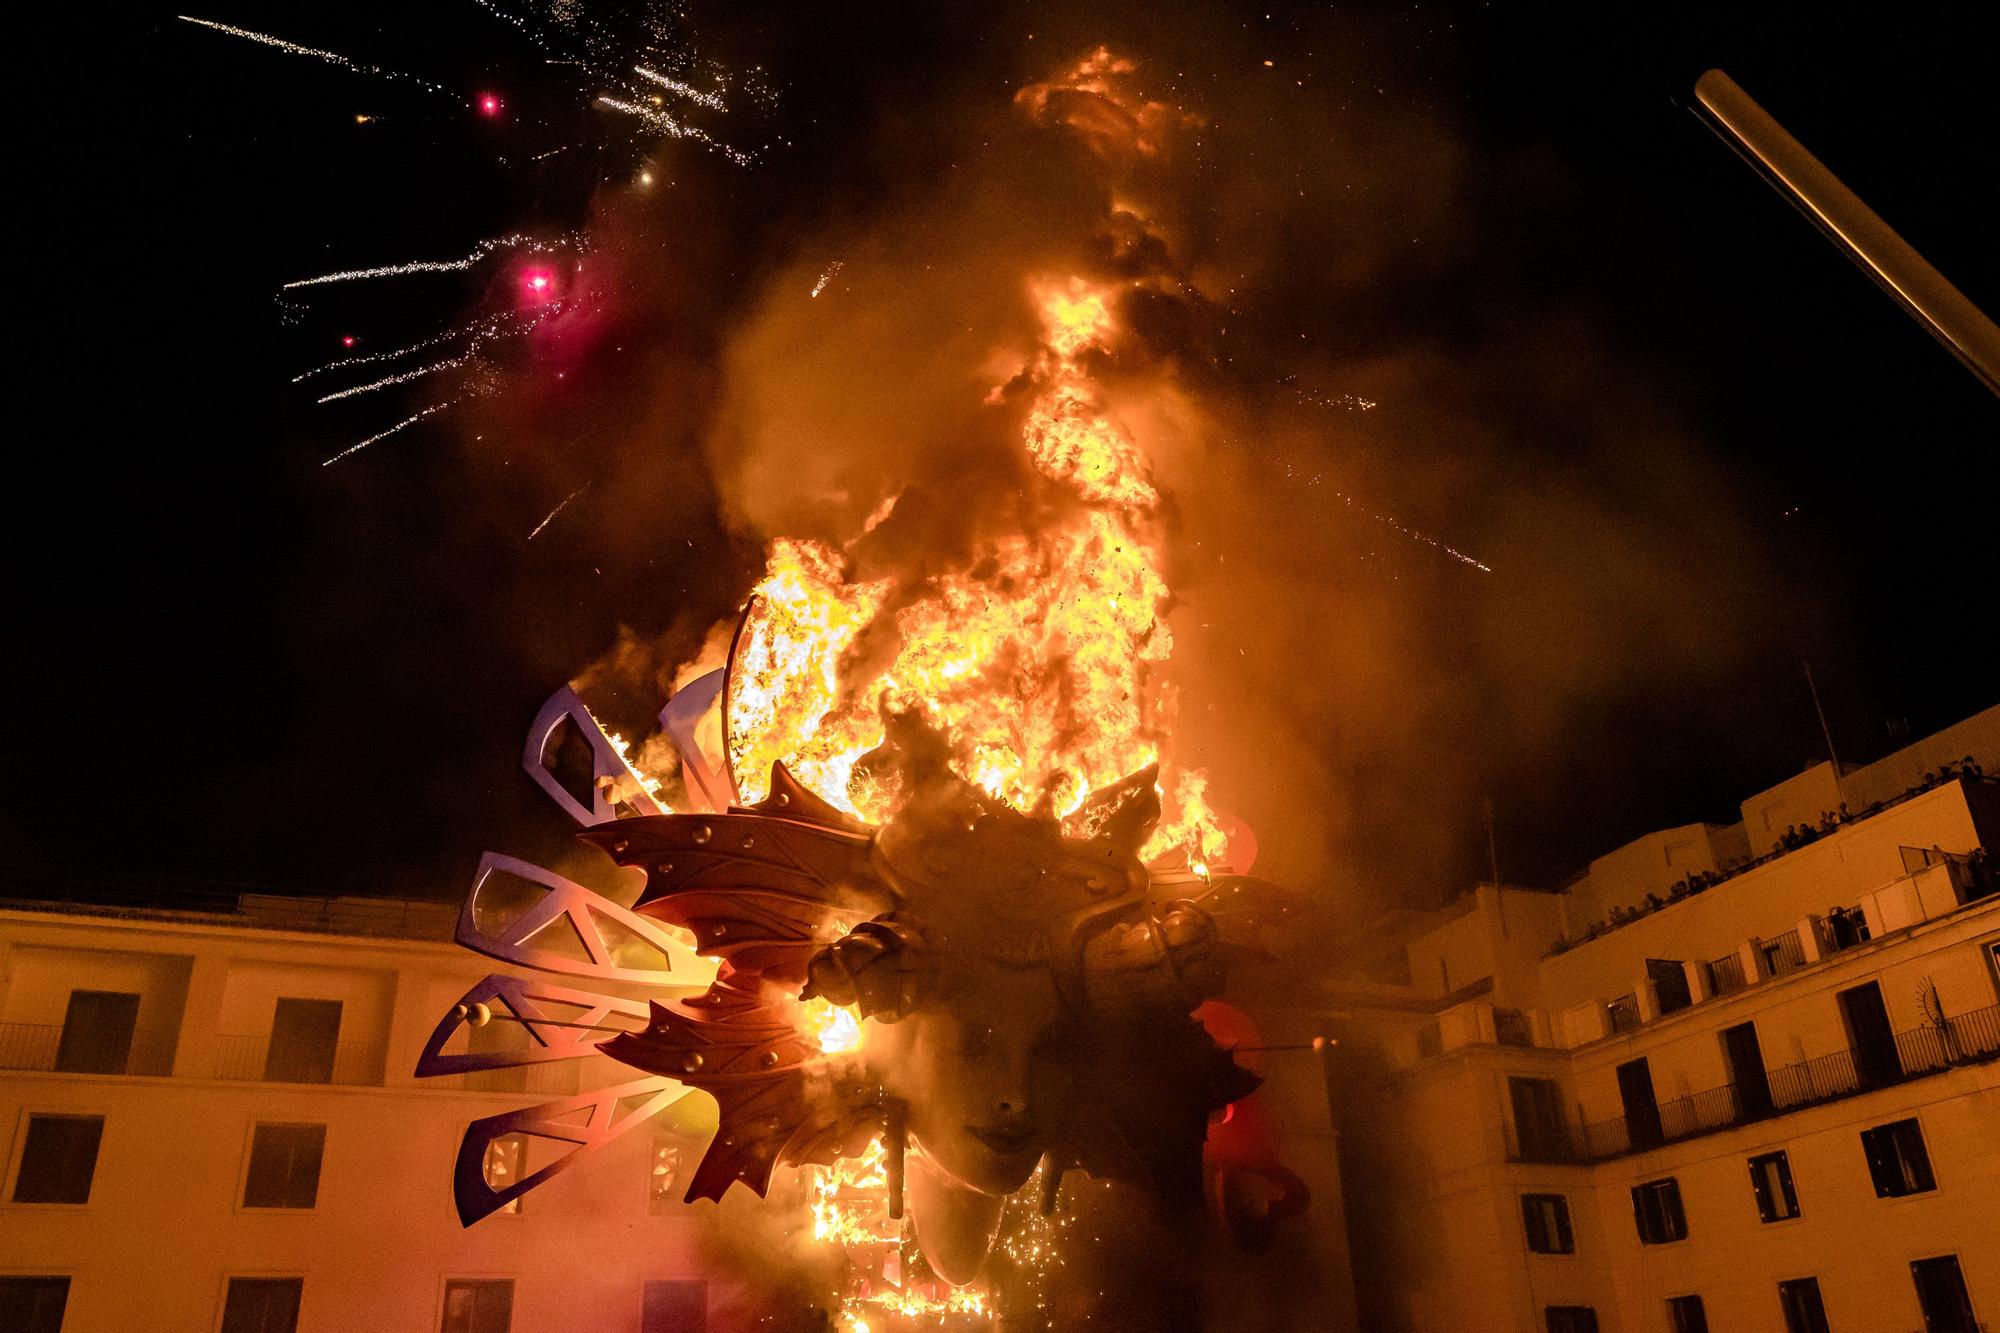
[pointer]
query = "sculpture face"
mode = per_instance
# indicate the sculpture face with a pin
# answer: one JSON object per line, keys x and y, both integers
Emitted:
{"x": 982, "y": 1074}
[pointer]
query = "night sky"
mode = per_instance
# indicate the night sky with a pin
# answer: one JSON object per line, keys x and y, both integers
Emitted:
{"x": 237, "y": 663}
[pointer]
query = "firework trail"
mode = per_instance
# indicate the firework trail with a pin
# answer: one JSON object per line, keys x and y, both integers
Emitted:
{"x": 410, "y": 420}
{"x": 374, "y": 358}
{"x": 551, "y": 516}
{"x": 479, "y": 253}
{"x": 1415, "y": 535}
{"x": 674, "y": 129}
{"x": 695, "y": 95}
{"x": 402, "y": 377}
{"x": 826, "y": 277}
{"x": 330, "y": 57}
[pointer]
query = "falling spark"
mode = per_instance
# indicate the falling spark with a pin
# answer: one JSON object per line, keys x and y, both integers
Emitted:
{"x": 410, "y": 420}
{"x": 372, "y": 358}
{"x": 479, "y": 252}
{"x": 674, "y": 129}
{"x": 550, "y": 517}
{"x": 827, "y": 276}
{"x": 331, "y": 57}
{"x": 695, "y": 95}
{"x": 1413, "y": 534}
{"x": 402, "y": 377}
{"x": 551, "y": 152}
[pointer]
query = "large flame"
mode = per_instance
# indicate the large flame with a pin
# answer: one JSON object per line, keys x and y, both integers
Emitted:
{"x": 1039, "y": 662}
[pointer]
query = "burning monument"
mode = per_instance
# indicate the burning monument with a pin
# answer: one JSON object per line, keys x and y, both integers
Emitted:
{"x": 962, "y": 904}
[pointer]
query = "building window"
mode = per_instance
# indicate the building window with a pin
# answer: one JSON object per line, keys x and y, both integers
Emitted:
{"x": 305, "y": 1035}
{"x": 1897, "y": 1160}
{"x": 482, "y": 1305}
{"x": 33, "y": 1304}
{"x": 676, "y": 1307}
{"x": 662, "y": 1192}
{"x": 1771, "y": 1182}
{"x": 506, "y": 1164}
{"x": 284, "y": 1166}
{"x": 1643, "y": 1127}
{"x": 262, "y": 1305}
{"x": 1941, "y": 1293}
{"x": 1539, "y": 1132}
{"x": 1546, "y": 1217}
{"x": 1512, "y": 1028}
{"x": 1571, "y": 1319}
{"x": 58, "y": 1159}
{"x": 1623, "y": 1013}
{"x": 1670, "y": 984}
{"x": 1430, "y": 1040}
{"x": 97, "y": 1032}
{"x": 1656, "y": 1205}
{"x": 1804, "y": 1312}
{"x": 1686, "y": 1315}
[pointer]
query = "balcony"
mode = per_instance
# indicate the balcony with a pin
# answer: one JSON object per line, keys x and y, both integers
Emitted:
{"x": 255, "y": 1059}
{"x": 38, "y": 1048}
{"x": 1971, "y": 1038}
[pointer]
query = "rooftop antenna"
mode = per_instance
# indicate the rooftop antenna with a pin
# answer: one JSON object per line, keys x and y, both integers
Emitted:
{"x": 1851, "y": 225}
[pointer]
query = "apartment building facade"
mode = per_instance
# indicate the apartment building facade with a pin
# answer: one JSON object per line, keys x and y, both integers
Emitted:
{"x": 1769, "y": 1101}
{"x": 209, "y": 1122}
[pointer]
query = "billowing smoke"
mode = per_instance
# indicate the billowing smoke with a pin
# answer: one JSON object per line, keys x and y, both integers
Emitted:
{"x": 1421, "y": 540}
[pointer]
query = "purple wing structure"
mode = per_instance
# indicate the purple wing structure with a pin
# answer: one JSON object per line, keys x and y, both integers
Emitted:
{"x": 581, "y": 928}
{"x": 585, "y": 1124}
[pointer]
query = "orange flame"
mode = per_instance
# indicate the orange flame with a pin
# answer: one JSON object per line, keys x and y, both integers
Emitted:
{"x": 1041, "y": 664}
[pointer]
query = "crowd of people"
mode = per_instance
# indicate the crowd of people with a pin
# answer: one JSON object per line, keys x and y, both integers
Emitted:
{"x": 1794, "y": 837}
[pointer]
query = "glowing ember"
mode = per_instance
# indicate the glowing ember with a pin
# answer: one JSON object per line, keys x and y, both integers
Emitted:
{"x": 489, "y": 105}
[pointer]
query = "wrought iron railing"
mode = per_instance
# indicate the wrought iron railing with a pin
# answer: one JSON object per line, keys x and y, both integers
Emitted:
{"x": 29, "y": 1045}
{"x": 1784, "y": 954}
{"x": 37, "y": 1047}
{"x": 1623, "y": 1013}
{"x": 1725, "y": 975}
{"x": 251, "y": 1059}
{"x": 1969, "y": 1038}
{"x": 1512, "y": 1028}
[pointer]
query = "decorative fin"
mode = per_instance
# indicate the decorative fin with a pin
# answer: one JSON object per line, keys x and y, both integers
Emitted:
{"x": 585, "y": 916}
{"x": 758, "y": 892}
{"x": 681, "y": 719}
{"x": 548, "y": 1038}
{"x": 749, "y": 1057}
{"x": 586, "y": 1123}
{"x": 791, "y": 799}
{"x": 608, "y": 766}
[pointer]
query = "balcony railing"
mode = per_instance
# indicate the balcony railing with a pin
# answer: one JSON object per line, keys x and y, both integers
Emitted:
{"x": 37, "y": 1047}
{"x": 1725, "y": 975}
{"x": 251, "y": 1058}
{"x": 1784, "y": 954}
{"x": 1970, "y": 1038}
{"x": 29, "y": 1045}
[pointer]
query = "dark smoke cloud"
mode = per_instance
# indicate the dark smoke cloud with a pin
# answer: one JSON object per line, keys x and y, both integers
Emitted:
{"x": 1298, "y": 254}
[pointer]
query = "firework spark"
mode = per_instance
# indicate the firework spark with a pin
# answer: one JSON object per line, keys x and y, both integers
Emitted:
{"x": 1413, "y": 534}
{"x": 550, "y": 517}
{"x": 330, "y": 57}
{"x": 656, "y": 119}
{"x": 675, "y": 86}
{"x": 826, "y": 277}
{"x": 410, "y": 420}
{"x": 479, "y": 252}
